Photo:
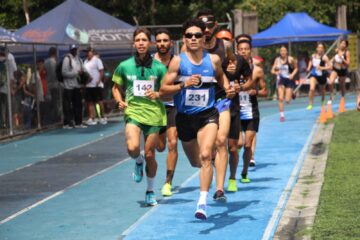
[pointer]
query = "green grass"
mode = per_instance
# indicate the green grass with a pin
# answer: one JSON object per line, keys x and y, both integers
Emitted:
{"x": 338, "y": 214}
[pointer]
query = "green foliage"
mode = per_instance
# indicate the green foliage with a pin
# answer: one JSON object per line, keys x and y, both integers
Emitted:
{"x": 324, "y": 11}
{"x": 338, "y": 215}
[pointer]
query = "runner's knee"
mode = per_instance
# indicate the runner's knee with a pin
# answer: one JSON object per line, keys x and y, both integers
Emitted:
{"x": 133, "y": 150}
{"x": 172, "y": 144}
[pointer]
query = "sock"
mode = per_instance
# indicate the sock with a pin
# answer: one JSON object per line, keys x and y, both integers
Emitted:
{"x": 282, "y": 114}
{"x": 139, "y": 159}
{"x": 150, "y": 184}
{"x": 202, "y": 198}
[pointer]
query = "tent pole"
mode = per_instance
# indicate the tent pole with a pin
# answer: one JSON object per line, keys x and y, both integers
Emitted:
{"x": 9, "y": 98}
{"x": 289, "y": 48}
{"x": 326, "y": 53}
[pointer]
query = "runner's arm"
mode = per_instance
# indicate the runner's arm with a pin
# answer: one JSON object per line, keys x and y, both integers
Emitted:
{"x": 260, "y": 76}
{"x": 347, "y": 60}
{"x": 296, "y": 68}
{"x": 168, "y": 88}
{"x": 309, "y": 66}
{"x": 273, "y": 68}
{"x": 221, "y": 78}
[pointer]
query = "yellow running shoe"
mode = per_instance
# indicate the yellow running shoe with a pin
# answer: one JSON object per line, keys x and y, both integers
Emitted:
{"x": 166, "y": 190}
{"x": 244, "y": 178}
{"x": 309, "y": 107}
{"x": 232, "y": 187}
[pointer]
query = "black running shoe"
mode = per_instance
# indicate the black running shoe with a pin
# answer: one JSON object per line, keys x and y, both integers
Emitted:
{"x": 219, "y": 196}
{"x": 252, "y": 163}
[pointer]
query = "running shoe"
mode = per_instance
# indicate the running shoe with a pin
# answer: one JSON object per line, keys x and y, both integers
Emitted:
{"x": 201, "y": 212}
{"x": 138, "y": 172}
{"x": 103, "y": 121}
{"x": 150, "y": 199}
{"x": 166, "y": 190}
{"x": 232, "y": 186}
{"x": 219, "y": 196}
{"x": 80, "y": 126}
{"x": 309, "y": 107}
{"x": 244, "y": 178}
{"x": 252, "y": 163}
{"x": 282, "y": 119}
{"x": 91, "y": 122}
{"x": 67, "y": 126}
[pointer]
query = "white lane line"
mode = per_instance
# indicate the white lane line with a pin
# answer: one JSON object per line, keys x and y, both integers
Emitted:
{"x": 147, "y": 214}
{"x": 273, "y": 222}
{"x": 61, "y": 192}
{"x": 60, "y": 153}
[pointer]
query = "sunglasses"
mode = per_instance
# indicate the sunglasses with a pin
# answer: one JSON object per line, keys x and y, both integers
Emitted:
{"x": 190, "y": 35}
{"x": 210, "y": 25}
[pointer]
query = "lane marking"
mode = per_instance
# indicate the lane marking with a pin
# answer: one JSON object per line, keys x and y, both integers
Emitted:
{"x": 60, "y": 153}
{"x": 62, "y": 191}
{"x": 153, "y": 209}
{"x": 279, "y": 209}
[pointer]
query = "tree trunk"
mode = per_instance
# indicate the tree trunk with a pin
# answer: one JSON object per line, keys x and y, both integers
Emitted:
{"x": 26, "y": 11}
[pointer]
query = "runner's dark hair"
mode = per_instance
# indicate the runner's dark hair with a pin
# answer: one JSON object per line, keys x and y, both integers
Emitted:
{"x": 195, "y": 22}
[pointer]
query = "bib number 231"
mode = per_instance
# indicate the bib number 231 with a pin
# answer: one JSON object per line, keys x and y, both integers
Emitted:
{"x": 197, "y": 98}
{"x": 140, "y": 87}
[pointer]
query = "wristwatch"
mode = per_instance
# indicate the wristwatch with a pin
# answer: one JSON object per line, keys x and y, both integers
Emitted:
{"x": 182, "y": 85}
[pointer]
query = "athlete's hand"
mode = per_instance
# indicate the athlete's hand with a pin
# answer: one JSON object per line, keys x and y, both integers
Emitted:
{"x": 150, "y": 94}
{"x": 122, "y": 105}
{"x": 194, "y": 80}
{"x": 230, "y": 92}
{"x": 252, "y": 92}
{"x": 231, "y": 67}
{"x": 358, "y": 102}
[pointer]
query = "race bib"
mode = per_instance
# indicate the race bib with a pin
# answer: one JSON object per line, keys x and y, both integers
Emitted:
{"x": 197, "y": 98}
{"x": 140, "y": 87}
{"x": 244, "y": 98}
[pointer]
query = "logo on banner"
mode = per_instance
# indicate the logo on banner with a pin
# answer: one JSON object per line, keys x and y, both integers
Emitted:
{"x": 99, "y": 35}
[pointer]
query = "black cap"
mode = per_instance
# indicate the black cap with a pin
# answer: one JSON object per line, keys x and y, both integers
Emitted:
{"x": 73, "y": 46}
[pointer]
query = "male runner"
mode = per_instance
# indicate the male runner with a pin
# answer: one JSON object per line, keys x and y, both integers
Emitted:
{"x": 141, "y": 76}
{"x": 196, "y": 73}
{"x": 249, "y": 115}
{"x": 218, "y": 46}
{"x": 163, "y": 54}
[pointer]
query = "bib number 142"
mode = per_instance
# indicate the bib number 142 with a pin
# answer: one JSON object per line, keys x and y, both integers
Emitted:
{"x": 140, "y": 87}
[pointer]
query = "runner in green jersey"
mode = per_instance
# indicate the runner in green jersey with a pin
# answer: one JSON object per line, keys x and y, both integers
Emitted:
{"x": 141, "y": 77}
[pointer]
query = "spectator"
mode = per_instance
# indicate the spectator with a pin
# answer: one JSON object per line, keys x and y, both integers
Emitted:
{"x": 29, "y": 90}
{"x": 72, "y": 98}
{"x": 7, "y": 61}
{"x": 17, "y": 96}
{"x": 53, "y": 94}
{"x": 94, "y": 88}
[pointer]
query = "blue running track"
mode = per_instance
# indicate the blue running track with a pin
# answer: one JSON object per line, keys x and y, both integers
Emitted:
{"x": 107, "y": 204}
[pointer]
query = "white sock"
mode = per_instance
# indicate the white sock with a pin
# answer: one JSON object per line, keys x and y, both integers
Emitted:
{"x": 202, "y": 198}
{"x": 282, "y": 114}
{"x": 150, "y": 184}
{"x": 139, "y": 159}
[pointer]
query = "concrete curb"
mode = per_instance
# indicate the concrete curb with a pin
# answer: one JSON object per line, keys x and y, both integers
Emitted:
{"x": 300, "y": 211}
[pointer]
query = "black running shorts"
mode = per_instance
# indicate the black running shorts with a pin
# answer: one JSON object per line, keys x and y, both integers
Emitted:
{"x": 234, "y": 131}
{"x": 170, "y": 114}
{"x": 188, "y": 125}
{"x": 250, "y": 125}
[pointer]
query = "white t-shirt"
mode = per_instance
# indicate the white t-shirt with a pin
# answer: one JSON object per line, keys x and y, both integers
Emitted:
{"x": 93, "y": 67}
{"x": 12, "y": 68}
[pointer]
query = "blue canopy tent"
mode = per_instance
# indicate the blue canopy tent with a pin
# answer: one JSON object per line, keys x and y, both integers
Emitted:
{"x": 6, "y": 36}
{"x": 75, "y": 22}
{"x": 296, "y": 27}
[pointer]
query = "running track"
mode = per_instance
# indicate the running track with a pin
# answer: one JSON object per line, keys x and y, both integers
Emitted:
{"x": 76, "y": 184}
